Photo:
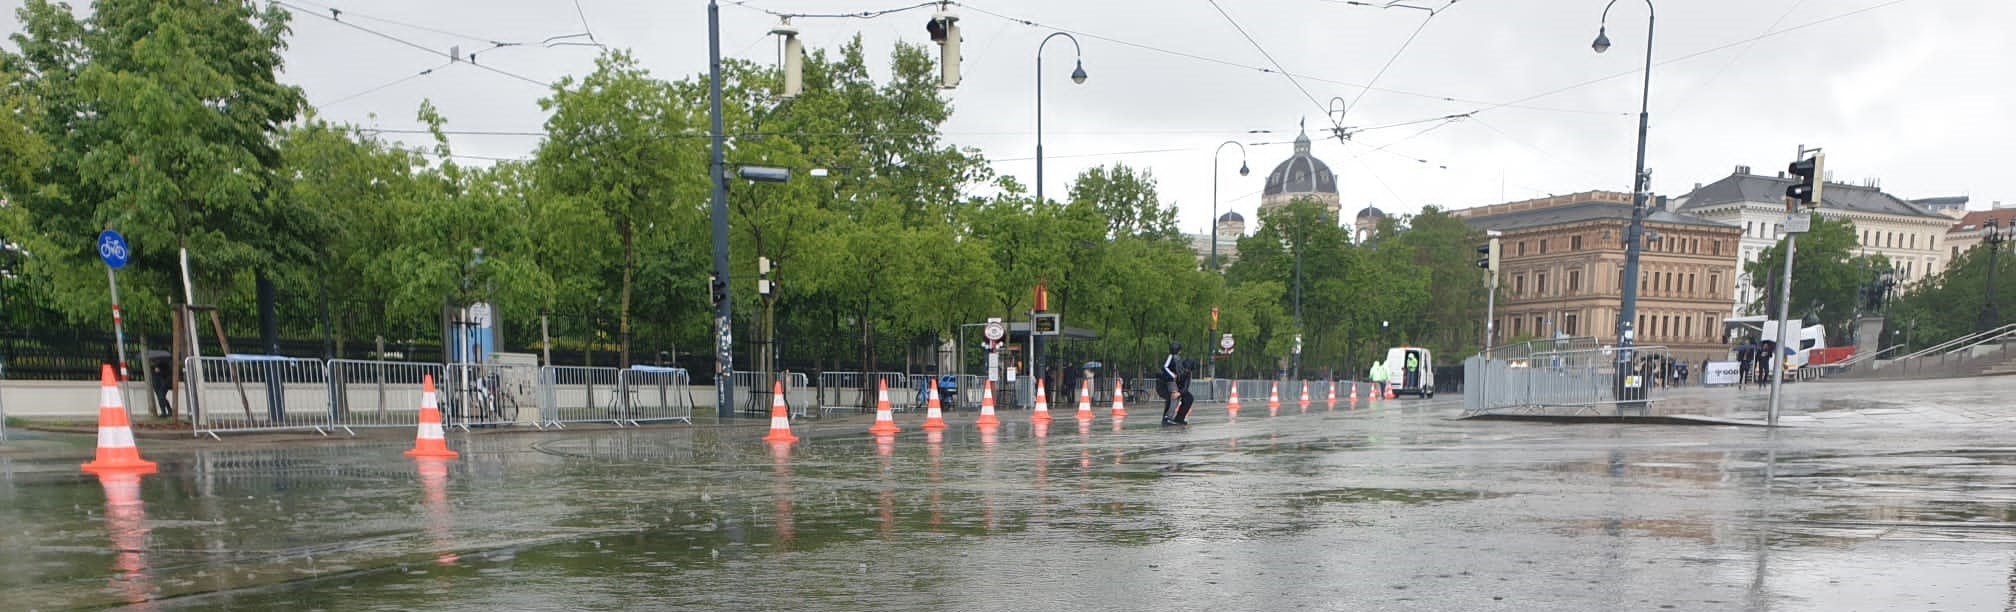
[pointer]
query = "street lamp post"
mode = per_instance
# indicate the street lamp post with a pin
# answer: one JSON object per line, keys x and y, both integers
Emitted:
{"x": 1243, "y": 171}
{"x": 1627, "y": 314}
{"x": 1989, "y": 318}
{"x": 1077, "y": 76}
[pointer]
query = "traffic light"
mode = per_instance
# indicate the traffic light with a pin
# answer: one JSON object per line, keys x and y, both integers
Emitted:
{"x": 944, "y": 30}
{"x": 793, "y": 60}
{"x": 1487, "y": 255}
{"x": 719, "y": 290}
{"x": 1811, "y": 178}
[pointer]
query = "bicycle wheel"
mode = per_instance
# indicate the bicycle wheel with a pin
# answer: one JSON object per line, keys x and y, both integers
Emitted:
{"x": 507, "y": 409}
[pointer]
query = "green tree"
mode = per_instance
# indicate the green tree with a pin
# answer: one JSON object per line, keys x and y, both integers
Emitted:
{"x": 1948, "y": 305}
{"x": 1440, "y": 249}
{"x": 162, "y": 118}
{"x": 1827, "y": 275}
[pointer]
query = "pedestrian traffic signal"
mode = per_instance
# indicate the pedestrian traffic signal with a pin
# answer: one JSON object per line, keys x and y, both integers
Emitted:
{"x": 944, "y": 30}
{"x": 1487, "y": 255}
{"x": 1810, "y": 179}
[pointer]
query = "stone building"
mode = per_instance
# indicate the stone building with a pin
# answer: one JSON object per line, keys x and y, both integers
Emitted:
{"x": 1909, "y": 234}
{"x": 1301, "y": 176}
{"x": 1561, "y": 272}
{"x": 1970, "y": 229}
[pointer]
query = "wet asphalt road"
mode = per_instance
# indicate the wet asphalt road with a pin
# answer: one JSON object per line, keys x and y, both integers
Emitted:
{"x": 1890, "y": 496}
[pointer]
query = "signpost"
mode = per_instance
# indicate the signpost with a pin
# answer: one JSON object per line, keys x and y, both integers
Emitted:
{"x": 112, "y": 249}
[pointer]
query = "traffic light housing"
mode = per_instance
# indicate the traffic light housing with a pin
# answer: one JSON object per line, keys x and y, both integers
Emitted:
{"x": 944, "y": 30}
{"x": 1487, "y": 255}
{"x": 717, "y": 289}
{"x": 1810, "y": 178}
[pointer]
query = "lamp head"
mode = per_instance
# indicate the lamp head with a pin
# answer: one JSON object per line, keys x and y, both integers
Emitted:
{"x": 1602, "y": 40}
{"x": 1243, "y": 170}
{"x": 1078, "y": 73}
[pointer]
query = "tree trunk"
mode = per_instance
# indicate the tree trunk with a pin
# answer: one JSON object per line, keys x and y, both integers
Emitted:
{"x": 623, "y": 307}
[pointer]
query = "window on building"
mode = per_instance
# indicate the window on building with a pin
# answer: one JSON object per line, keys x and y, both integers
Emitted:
{"x": 1687, "y": 328}
{"x": 1690, "y": 283}
{"x": 1574, "y": 243}
{"x": 1718, "y": 248}
{"x": 1641, "y": 325}
{"x": 1522, "y": 247}
{"x": 1540, "y": 284}
{"x": 1714, "y": 281}
{"x": 1519, "y": 285}
{"x": 1574, "y": 281}
{"x": 1568, "y": 325}
{"x": 1865, "y": 237}
{"x": 1931, "y": 243}
{"x": 1539, "y": 325}
{"x": 1694, "y": 246}
{"x": 1913, "y": 241}
{"x": 1515, "y": 326}
{"x": 1956, "y": 253}
{"x": 1543, "y": 246}
{"x": 1710, "y": 327}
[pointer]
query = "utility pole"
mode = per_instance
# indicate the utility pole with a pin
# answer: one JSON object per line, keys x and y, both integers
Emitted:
{"x": 717, "y": 174}
{"x": 1812, "y": 177}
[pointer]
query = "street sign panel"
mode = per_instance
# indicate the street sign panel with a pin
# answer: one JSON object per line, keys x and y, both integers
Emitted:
{"x": 995, "y": 331}
{"x": 1046, "y": 324}
{"x": 112, "y": 249}
{"x": 1225, "y": 342}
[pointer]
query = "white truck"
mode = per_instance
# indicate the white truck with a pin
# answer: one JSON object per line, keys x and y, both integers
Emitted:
{"x": 1803, "y": 340}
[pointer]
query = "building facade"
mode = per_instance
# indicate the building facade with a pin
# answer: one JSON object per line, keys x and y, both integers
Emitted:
{"x": 1226, "y": 232}
{"x": 1301, "y": 176}
{"x": 1561, "y": 272}
{"x": 1908, "y": 234}
{"x": 1970, "y": 229}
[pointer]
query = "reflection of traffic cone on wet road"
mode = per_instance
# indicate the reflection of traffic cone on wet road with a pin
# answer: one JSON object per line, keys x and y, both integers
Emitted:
{"x": 126, "y": 523}
{"x": 1304, "y": 403}
{"x": 934, "y": 416}
{"x": 116, "y": 452}
{"x": 1232, "y": 404}
{"x": 1084, "y": 400}
{"x": 780, "y": 417}
{"x": 430, "y": 443}
{"x": 987, "y": 405}
{"x": 1274, "y": 399}
{"x": 1119, "y": 409}
{"x": 885, "y": 419}
{"x": 1042, "y": 412}
{"x": 440, "y": 520}
{"x": 780, "y": 488}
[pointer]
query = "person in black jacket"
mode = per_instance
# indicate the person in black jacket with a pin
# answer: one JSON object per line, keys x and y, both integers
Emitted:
{"x": 1165, "y": 382}
{"x": 1183, "y": 391}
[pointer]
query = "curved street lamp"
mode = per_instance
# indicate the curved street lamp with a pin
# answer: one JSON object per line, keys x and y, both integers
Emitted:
{"x": 1077, "y": 77}
{"x": 1989, "y": 318}
{"x": 1634, "y": 234}
{"x": 1243, "y": 171}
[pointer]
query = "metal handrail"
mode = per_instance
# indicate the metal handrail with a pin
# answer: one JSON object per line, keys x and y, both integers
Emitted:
{"x": 1975, "y": 338}
{"x": 1861, "y": 358}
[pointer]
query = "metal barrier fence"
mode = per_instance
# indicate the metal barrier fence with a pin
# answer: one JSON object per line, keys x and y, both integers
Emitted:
{"x": 489, "y": 395}
{"x": 856, "y": 391}
{"x": 576, "y": 394}
{"x": 1584, "y": 380}
{"x": 753, "y": 391}
{"x": 262, "y": 387}
{"x": 377, "y": 393}
{"x": 650, "y": 393}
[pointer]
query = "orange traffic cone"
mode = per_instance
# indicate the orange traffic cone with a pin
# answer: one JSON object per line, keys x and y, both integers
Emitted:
{"x": 885, "y": 420}
{"x": 1304, "y": 403}
{"x": 1331, "y": 403}
{"x": 116, "y": 453}
{"x": 1232, "y": 403}
{"x": 780, "y": 417}
{"x": 1274, "y": 397}
{"x": 987, "y": 405}
{"x": 430, "y": 443}
{"x": 1085, "y": 400}
{"x": 1354, "y": 392}
{"x": 1119, "y": 409}
{"x": 1042, "y": 411}
{"x": 934, "y": 416}
{"x": 1389, "y": 390}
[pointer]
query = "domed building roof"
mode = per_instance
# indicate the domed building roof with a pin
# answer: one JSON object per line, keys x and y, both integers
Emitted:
{"x": 1301, "y": 173}
{"x": 1231, "y": 216}
{"x": 1371, "y": 212}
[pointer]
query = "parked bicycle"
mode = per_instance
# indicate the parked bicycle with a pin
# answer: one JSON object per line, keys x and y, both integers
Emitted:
{"x": 485, "y": 400}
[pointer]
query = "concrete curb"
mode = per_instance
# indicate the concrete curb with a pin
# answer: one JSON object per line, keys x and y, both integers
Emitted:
{"x": 1593, "y": 420}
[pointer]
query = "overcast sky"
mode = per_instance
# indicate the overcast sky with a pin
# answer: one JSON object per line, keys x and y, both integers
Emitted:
{"x": 1914, "y": 93}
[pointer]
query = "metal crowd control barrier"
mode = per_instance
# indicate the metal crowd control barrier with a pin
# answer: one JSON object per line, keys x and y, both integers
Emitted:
{"x": 650, "y": 393}
{"x": 752, "y": 387}
{"x": 489, "y": 395}
{"x": 856, "y": 391}
{"x": 575, "y": 394}
{"x": 378, "y": 393}
{"x": 261, "y": 387}
{"x": 1584, "y": 380}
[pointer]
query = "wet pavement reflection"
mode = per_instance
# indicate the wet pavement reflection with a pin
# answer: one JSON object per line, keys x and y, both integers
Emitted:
{"x": 1890, "y": 497}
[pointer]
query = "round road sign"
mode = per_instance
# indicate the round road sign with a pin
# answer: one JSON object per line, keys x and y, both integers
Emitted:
{"x": 995, "y": 331}
{"x": 112, "y": 249}
{"x": 1225, "y": 342}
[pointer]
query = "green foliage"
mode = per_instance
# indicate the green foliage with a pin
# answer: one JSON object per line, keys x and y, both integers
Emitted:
{"x": 1948, "y": 305}
{"x": 1827, "y": 275}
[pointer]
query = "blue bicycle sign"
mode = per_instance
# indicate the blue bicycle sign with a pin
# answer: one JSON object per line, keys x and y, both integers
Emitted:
{"x": 112, "y": 249}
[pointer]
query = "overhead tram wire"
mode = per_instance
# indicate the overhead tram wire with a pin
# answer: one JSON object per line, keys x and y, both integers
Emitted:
{"x": 415, "y": 26}
{"x": 1396, "y": 52}
{"x": 1270, "y": 57}
{"x": 383, "y": 86}
{"x": 452, "y": 59}
{"x": 1229, "y": 63}
{"x": 854, "y": 15}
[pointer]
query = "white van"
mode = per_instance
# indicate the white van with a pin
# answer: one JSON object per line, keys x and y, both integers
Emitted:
{"x": 1808, "y": 339}
{"x": 1420, "y": 383}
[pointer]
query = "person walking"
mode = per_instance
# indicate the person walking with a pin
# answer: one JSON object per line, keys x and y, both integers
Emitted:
{"x": 1165, "y": 382}
{"x": 1185, "y": 397}
{"x": 1378, "y": 374}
